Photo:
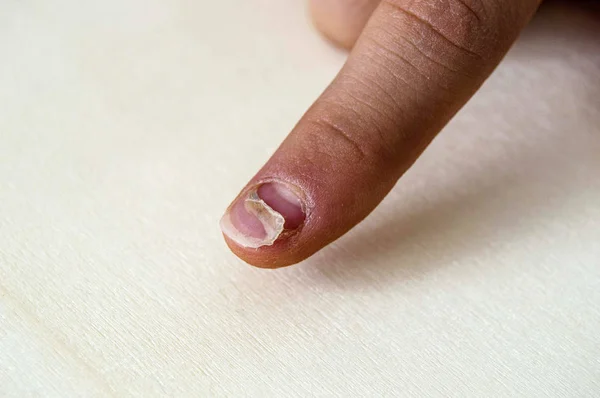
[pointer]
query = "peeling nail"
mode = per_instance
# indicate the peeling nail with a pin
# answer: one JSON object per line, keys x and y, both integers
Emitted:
{"x": 259, "y": 217}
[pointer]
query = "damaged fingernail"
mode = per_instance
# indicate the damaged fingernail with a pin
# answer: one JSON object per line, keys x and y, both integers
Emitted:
{"x": 260, "y": 216}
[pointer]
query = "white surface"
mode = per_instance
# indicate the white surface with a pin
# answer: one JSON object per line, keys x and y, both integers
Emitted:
{"x": 126, "y": 127}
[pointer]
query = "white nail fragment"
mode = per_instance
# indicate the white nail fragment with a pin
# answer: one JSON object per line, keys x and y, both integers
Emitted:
{"x": 271, "y": 221}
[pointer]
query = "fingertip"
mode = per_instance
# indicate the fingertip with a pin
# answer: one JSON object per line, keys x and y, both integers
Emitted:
{"x": 341, "y": 21}
{"x": 263, "y": 224}
{"x": 264, "y": 258}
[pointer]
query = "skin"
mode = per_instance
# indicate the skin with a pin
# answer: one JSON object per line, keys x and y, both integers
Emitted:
{"x": 413, "y": 65}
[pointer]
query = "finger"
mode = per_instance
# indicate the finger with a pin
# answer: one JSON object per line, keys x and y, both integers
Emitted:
{"x": 341, "y": 21}
{"x": 414, "y": 66}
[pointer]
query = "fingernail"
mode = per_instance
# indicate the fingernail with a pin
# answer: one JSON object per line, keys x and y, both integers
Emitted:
{"x": 259, "y": 217}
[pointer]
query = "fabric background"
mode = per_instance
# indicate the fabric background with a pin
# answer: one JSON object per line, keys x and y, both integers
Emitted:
{"x": 127, "y": 126}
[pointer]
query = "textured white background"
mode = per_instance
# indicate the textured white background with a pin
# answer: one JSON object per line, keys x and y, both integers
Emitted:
{"x": 127, "y": 126}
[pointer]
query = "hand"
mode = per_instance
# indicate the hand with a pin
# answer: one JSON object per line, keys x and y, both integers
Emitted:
{"x": 412, "y": 67}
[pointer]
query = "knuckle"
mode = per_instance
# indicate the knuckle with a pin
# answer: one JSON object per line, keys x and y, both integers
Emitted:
{"x": 335, "y": 139}
{"x": 347, "y": 131}
{"x": 461, "y": 29}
